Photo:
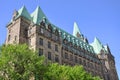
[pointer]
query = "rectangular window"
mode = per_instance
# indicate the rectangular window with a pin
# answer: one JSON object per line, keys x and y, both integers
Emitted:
{"x": 49, "y": 44}
{"x": 56, "y": 58}
{"x": 15, "y": 38}
{"x": 66, "y": 55}
{"x": 80, "y": 61}
{"x": 41, "y": 30}
{"x": 49, "y": 55}
{"x": 76, "y": 59}
{"x": 71, "y": 57}
{"x": 41, "y": 41}
{"x": 56, "y": 48}
{"x": 29, "y": 32}
{"x": 84, "y": 62}
{"x": 40, "y": 52}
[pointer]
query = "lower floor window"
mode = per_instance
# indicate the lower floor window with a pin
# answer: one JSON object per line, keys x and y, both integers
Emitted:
{"x": 56, "y": 58}
{"x": 40, "y": 52}
{"x": 49, "y": 55}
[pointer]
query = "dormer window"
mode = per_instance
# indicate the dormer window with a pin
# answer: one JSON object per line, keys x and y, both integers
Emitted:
{"x": 44, "y": 20}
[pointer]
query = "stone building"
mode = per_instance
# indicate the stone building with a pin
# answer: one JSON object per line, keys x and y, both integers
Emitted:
{"x": 58, "y": 45}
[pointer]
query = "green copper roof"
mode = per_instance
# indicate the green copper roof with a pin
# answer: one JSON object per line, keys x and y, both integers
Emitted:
{"x": 38, "y": 15}
{"x": 107, "y": 49}
{"x": 97, "y": 45}
{"x": 23, "y": 12}
{"x": 73, "y": 39}
{"x": 76, "y": 30}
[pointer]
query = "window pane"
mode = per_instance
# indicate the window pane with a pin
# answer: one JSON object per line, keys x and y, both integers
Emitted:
{"x": 56, "y": 58}
{"x": 71, "y": 57}
{"x": 49, "y": 55}
{"x": 49, "y": 44}
{"x": 56, "y": 48}
{"x": 40, "y": 52}
{"x": 66, "y": 55}
{"x": 41, "y": 41}
{"x": 76, "y": 59}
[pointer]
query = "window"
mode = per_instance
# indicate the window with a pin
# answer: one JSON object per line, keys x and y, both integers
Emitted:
{"x": 76, "y": 59}
{"x": 41, "y": 30}
{"x": 15, "y": 38}
{"x": 71, "y": 57}
{"x": 49, "y": 55}
{"x": 30, "y": 31}
{"x": 56, "y": 58}
{"x": 41, "y": 41}
{"x": 56, "y": 48}
{"x": 80, "y": 61}
{"x": 9, "y": 38}
{"x": 49, "y": 44}
{"x": 40, "y": 52}
{"x": 66, "y": 55}
{"x": 25, "y": 32}
{"x": 84, "y": 62}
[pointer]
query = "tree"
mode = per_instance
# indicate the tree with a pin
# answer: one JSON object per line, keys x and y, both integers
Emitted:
{"x": 18, "y": 62}
{"x": 63, "y": 72}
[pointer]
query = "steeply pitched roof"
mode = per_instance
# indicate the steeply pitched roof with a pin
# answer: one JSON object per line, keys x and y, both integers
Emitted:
{"x": 76, "y": 30}
{"x": 23, "y": 12}
{"x": 107, "y": 49}
{"x": 38, "y": 15}
{"x": 97, "y": 45}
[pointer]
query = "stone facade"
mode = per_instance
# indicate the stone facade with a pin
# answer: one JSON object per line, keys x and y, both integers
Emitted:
{"x": 59, "y": 46}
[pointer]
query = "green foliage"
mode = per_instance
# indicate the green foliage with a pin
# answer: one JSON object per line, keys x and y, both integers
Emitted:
{"x": 63, "y": 72}
{"x": 18, "y": 62}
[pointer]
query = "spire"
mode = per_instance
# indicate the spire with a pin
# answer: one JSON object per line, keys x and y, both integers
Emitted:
{"x": 107, "y": 48}
{"x": 23, "y": 12}
{"x": 38, "y": 15}
{"x": 76, "y": 30}
{"x": 97, "y": 45}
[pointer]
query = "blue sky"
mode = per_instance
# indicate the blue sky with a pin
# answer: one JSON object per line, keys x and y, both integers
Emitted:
{"x": 96, "y": 18}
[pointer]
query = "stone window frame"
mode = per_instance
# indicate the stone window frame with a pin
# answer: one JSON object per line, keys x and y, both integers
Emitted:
{"x": 49, "y": 44}
{"x": 56, "y": 58}
{"x": 41, "y": 41}
{"x": 56, "y": 47}
{"x": 49, "y": 56}
{"x": 40, "y": 51}
{"x": 66, "y": 55}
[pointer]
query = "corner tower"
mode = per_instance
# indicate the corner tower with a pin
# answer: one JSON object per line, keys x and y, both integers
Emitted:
{"x": 107, "y": 60}
{"x": 17, "y": 28}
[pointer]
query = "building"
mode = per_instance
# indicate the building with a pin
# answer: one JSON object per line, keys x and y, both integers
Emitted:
{"x": 58, "y": 45}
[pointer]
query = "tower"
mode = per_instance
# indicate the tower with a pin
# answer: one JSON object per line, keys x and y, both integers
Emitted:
{"x": 18, "y": 27}
{"x": 107, "y": 60}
